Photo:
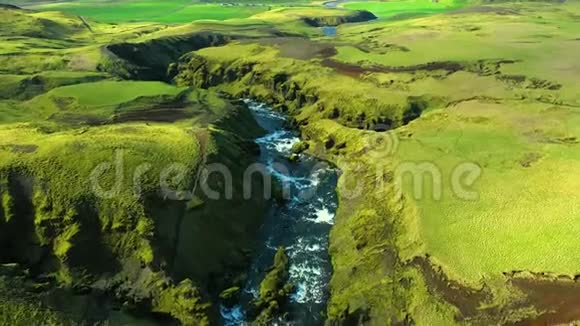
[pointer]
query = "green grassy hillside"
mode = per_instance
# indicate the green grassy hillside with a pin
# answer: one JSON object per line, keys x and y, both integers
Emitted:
{"x": 51, "y": 215}
{"x": 524, "y": 78}
{"x": 82, "y": 157}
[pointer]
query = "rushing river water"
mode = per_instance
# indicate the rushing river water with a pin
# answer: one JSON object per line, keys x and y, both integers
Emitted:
{"x": 301, "y": 226}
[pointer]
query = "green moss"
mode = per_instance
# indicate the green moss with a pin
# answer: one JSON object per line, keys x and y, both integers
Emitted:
{"x": 517, "y": 94}
{"x": 276, "y": 278}
{"x": 184, "y": 303}
{"x": 300, "y": 147}
{"x": 7, "y": 206}
{"x": 230, "y": 296}
{"x": 259, "y": 72}
{"x": 273, "y": 290}
{"x": 63, "y": 243}
{"x": 194, "y": 203}
{"x": 22, "y": 87}
{"x": 145, "y": 253}
{"x": 20, "y": 304}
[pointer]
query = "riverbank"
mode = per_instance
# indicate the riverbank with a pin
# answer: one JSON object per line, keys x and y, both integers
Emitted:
{"x": 301, "y": 226}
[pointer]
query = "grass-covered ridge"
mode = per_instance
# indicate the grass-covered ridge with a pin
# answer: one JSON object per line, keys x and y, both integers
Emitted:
{"x": 51, "y": 213}
{"x": 106, "y": 102}
{"x": 458, "y": 93}
{"x": 60, "y": 119}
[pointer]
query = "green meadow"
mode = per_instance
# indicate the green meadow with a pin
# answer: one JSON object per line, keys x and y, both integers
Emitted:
{"x": 405, "y": 8}
{"x": 172, "y": 12}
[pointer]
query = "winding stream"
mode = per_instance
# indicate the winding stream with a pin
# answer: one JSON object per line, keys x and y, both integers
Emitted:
{"x": 301, "y": 226}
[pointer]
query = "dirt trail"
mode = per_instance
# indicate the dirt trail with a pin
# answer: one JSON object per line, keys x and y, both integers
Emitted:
{"x": 297, "y": 47}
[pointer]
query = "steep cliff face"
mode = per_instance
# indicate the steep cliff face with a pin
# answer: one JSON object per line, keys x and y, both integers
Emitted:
{"x": 137, "y": 246}
{"x": 288, "y": 85}
{"x": 351, "y": 17}
{"x": 150, "y": 60}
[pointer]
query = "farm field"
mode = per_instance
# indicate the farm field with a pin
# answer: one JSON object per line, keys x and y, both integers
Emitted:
{"x": 172, "y": 12}
{"x": 404, "y": 8}
{"x": 454, "y": 125}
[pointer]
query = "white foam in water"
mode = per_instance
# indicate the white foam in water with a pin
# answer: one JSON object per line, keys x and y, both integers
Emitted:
{"x": 302, "y": 246}
{"x": 285, "y": 145}
{"x": 263, "y": 109}
{"x": 313, "y": 248}
{"x": 300, "y": 294}
{"x": 298, "y": 182}
{"x": 307, "y": 266}
{"x": 270, "y": 246}
{"x": 232, "y": 316}
{"x": 323, "y": 215}
{"x": 305, "y": 271}
{"x": 253, "y": 291}
{"x": 280, "y": 141}
{"x": 309, "y": 285}
{"x": 316, "y": 177}
{"x": 272, "y": 138}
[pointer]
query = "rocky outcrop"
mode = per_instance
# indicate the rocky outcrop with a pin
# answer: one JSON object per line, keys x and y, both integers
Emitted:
{"x": 150, "y": 60}
{"x": 352, "y": 17}
{"x": 294, "y": 93}
{"x": 274, "y": 290}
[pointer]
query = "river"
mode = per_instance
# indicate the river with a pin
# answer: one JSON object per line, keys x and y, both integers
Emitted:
{"x": 302, "y": 226}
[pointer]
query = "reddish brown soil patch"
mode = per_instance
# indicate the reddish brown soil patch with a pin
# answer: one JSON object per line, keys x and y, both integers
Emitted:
{"x": 559, "y": 298}
{"x": 344, "y": 68}
{"x": 297, "y": 47}
{"x": 485, "y": 10}
{"x": 356, "y": 70}
{"x": 154, "y": 115}
{"x": 466, "y": 299}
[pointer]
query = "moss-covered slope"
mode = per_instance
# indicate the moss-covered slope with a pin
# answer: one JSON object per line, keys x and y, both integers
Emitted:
{"x": 263, "y": 72}
{"x": 87, "y": 207}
